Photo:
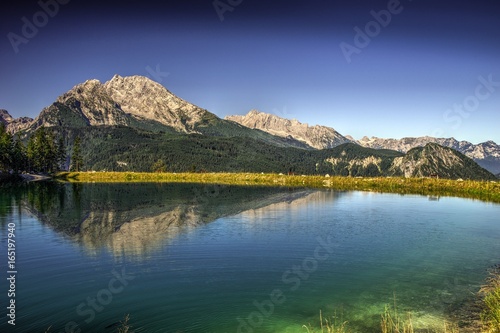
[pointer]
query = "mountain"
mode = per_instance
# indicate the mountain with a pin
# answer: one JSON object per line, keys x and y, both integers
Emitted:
{"x": 14, "y": 125}
{"x": 86, "y": 104}
{"x": 118, "y": 102}
{"x": 133, "y": 123}
{"x": 318, "y": 137}
{"x": 140, "y": 103}
{"x": 143, "y": 98}
{"x": 444, "y": 162}
{"x": 486, "y": 154}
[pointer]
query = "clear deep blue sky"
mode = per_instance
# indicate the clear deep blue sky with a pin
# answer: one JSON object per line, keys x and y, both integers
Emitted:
{"x": 281, "y": 57}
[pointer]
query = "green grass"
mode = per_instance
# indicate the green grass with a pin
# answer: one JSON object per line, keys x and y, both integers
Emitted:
{"x": 482, "y": 190}
{"x": 490, "y": 315}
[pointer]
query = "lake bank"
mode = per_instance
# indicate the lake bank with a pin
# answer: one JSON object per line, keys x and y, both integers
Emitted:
{"x": 481, "y": 190}
{"x": 22, "y": 177}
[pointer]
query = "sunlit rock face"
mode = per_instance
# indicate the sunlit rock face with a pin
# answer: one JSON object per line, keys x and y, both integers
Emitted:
{"x": 14, "y": 125}
{"x": 319, "y": 137}
{"x": 121, "y": 101}
{"x": 143, "y": 98}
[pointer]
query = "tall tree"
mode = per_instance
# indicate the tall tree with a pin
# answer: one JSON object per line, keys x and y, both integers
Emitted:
{"x": 18, "y": 155}
{"x": 42, "y": 151}
{"x": 45, "y": 150}
{"x": 61, "y": 154}
{"x": 5, "y": 148}
{"x": 76, "y": 157}
{"x": 31, "y": 154}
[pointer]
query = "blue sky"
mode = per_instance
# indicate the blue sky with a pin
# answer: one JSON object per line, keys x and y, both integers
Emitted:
{"x": 422, "y": 73}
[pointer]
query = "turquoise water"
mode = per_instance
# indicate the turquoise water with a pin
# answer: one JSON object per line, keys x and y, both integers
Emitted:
{"x": 192, "y": 258}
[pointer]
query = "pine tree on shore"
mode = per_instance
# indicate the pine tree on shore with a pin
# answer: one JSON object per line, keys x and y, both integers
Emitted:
{"x": 76, "y": 157}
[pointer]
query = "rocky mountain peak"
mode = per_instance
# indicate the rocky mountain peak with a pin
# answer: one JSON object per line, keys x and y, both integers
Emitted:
{"x": 121, "y": 101}
{"x": 12, "y": 124}
{"x": 319, "y": 137}
{"x": 434, "y": 159}
{"x": 144, "y": 98}
{"x": 90, "y": 100}
{"x": 487, "y": 154}
{"x": 5, "y": 117}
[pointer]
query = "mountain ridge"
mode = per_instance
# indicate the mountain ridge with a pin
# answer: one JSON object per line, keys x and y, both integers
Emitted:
{"x": 139, "y": 102}
{"x": 318, "y": 137}
{"x": 144, "y": 98}
{"x": 131, "y": 123}
{"x": 436, "y": 160}
{"x": 12, "y": 124}
{"x": 486, "y": 154}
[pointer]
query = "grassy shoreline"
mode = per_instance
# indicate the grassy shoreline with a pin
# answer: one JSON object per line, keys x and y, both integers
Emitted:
{"x": 482, "y": 190}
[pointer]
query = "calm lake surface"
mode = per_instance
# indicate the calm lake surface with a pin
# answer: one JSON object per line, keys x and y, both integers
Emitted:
{"x": 207, "y": 258}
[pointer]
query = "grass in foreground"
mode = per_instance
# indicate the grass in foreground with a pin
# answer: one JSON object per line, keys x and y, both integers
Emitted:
{"x": 124, "y": 325}
{"x": 335, "y": 325}
{"x": 490, "y": 316}
{"x": 391, "y": 322}
{"x": 482, "y": 190}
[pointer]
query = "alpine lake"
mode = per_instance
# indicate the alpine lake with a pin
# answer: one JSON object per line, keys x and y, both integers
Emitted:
{"x": 222, "y": 258}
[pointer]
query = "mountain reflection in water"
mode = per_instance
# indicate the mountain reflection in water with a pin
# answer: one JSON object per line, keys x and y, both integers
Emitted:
{"x": 135, "y": 220}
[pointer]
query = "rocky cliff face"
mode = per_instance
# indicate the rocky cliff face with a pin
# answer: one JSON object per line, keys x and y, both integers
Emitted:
{"x": 86, "y": 104}
{"x": 486, "y": 154}
{"x": 120, "y": 102}
{"x": 145, "y": 99}
{"x": 319, "y": 137}
{"x": 444, "y": 162}
{"x": 14, "y": 125}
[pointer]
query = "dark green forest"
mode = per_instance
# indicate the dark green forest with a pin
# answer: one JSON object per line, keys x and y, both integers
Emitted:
{"x": 128, "y": 149}
{"x": 44, "y": 151}
{"x": 122, "y": 148}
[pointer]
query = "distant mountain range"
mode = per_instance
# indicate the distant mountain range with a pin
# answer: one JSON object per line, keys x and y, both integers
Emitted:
{"x": 14, "y": 125}
{"x": 129, "y": 123}
{"x": 318, "y": 137}
{"x": 486, "y": 154}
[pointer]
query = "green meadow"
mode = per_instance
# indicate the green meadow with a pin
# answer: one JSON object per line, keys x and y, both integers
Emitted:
{"x": 481, "y": 190}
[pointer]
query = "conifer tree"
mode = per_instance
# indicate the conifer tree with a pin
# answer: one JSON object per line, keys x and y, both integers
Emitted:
{"x": 61, "y": 154}
{"x": 76, "y": 157}
{"x": 5, "y": 148}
